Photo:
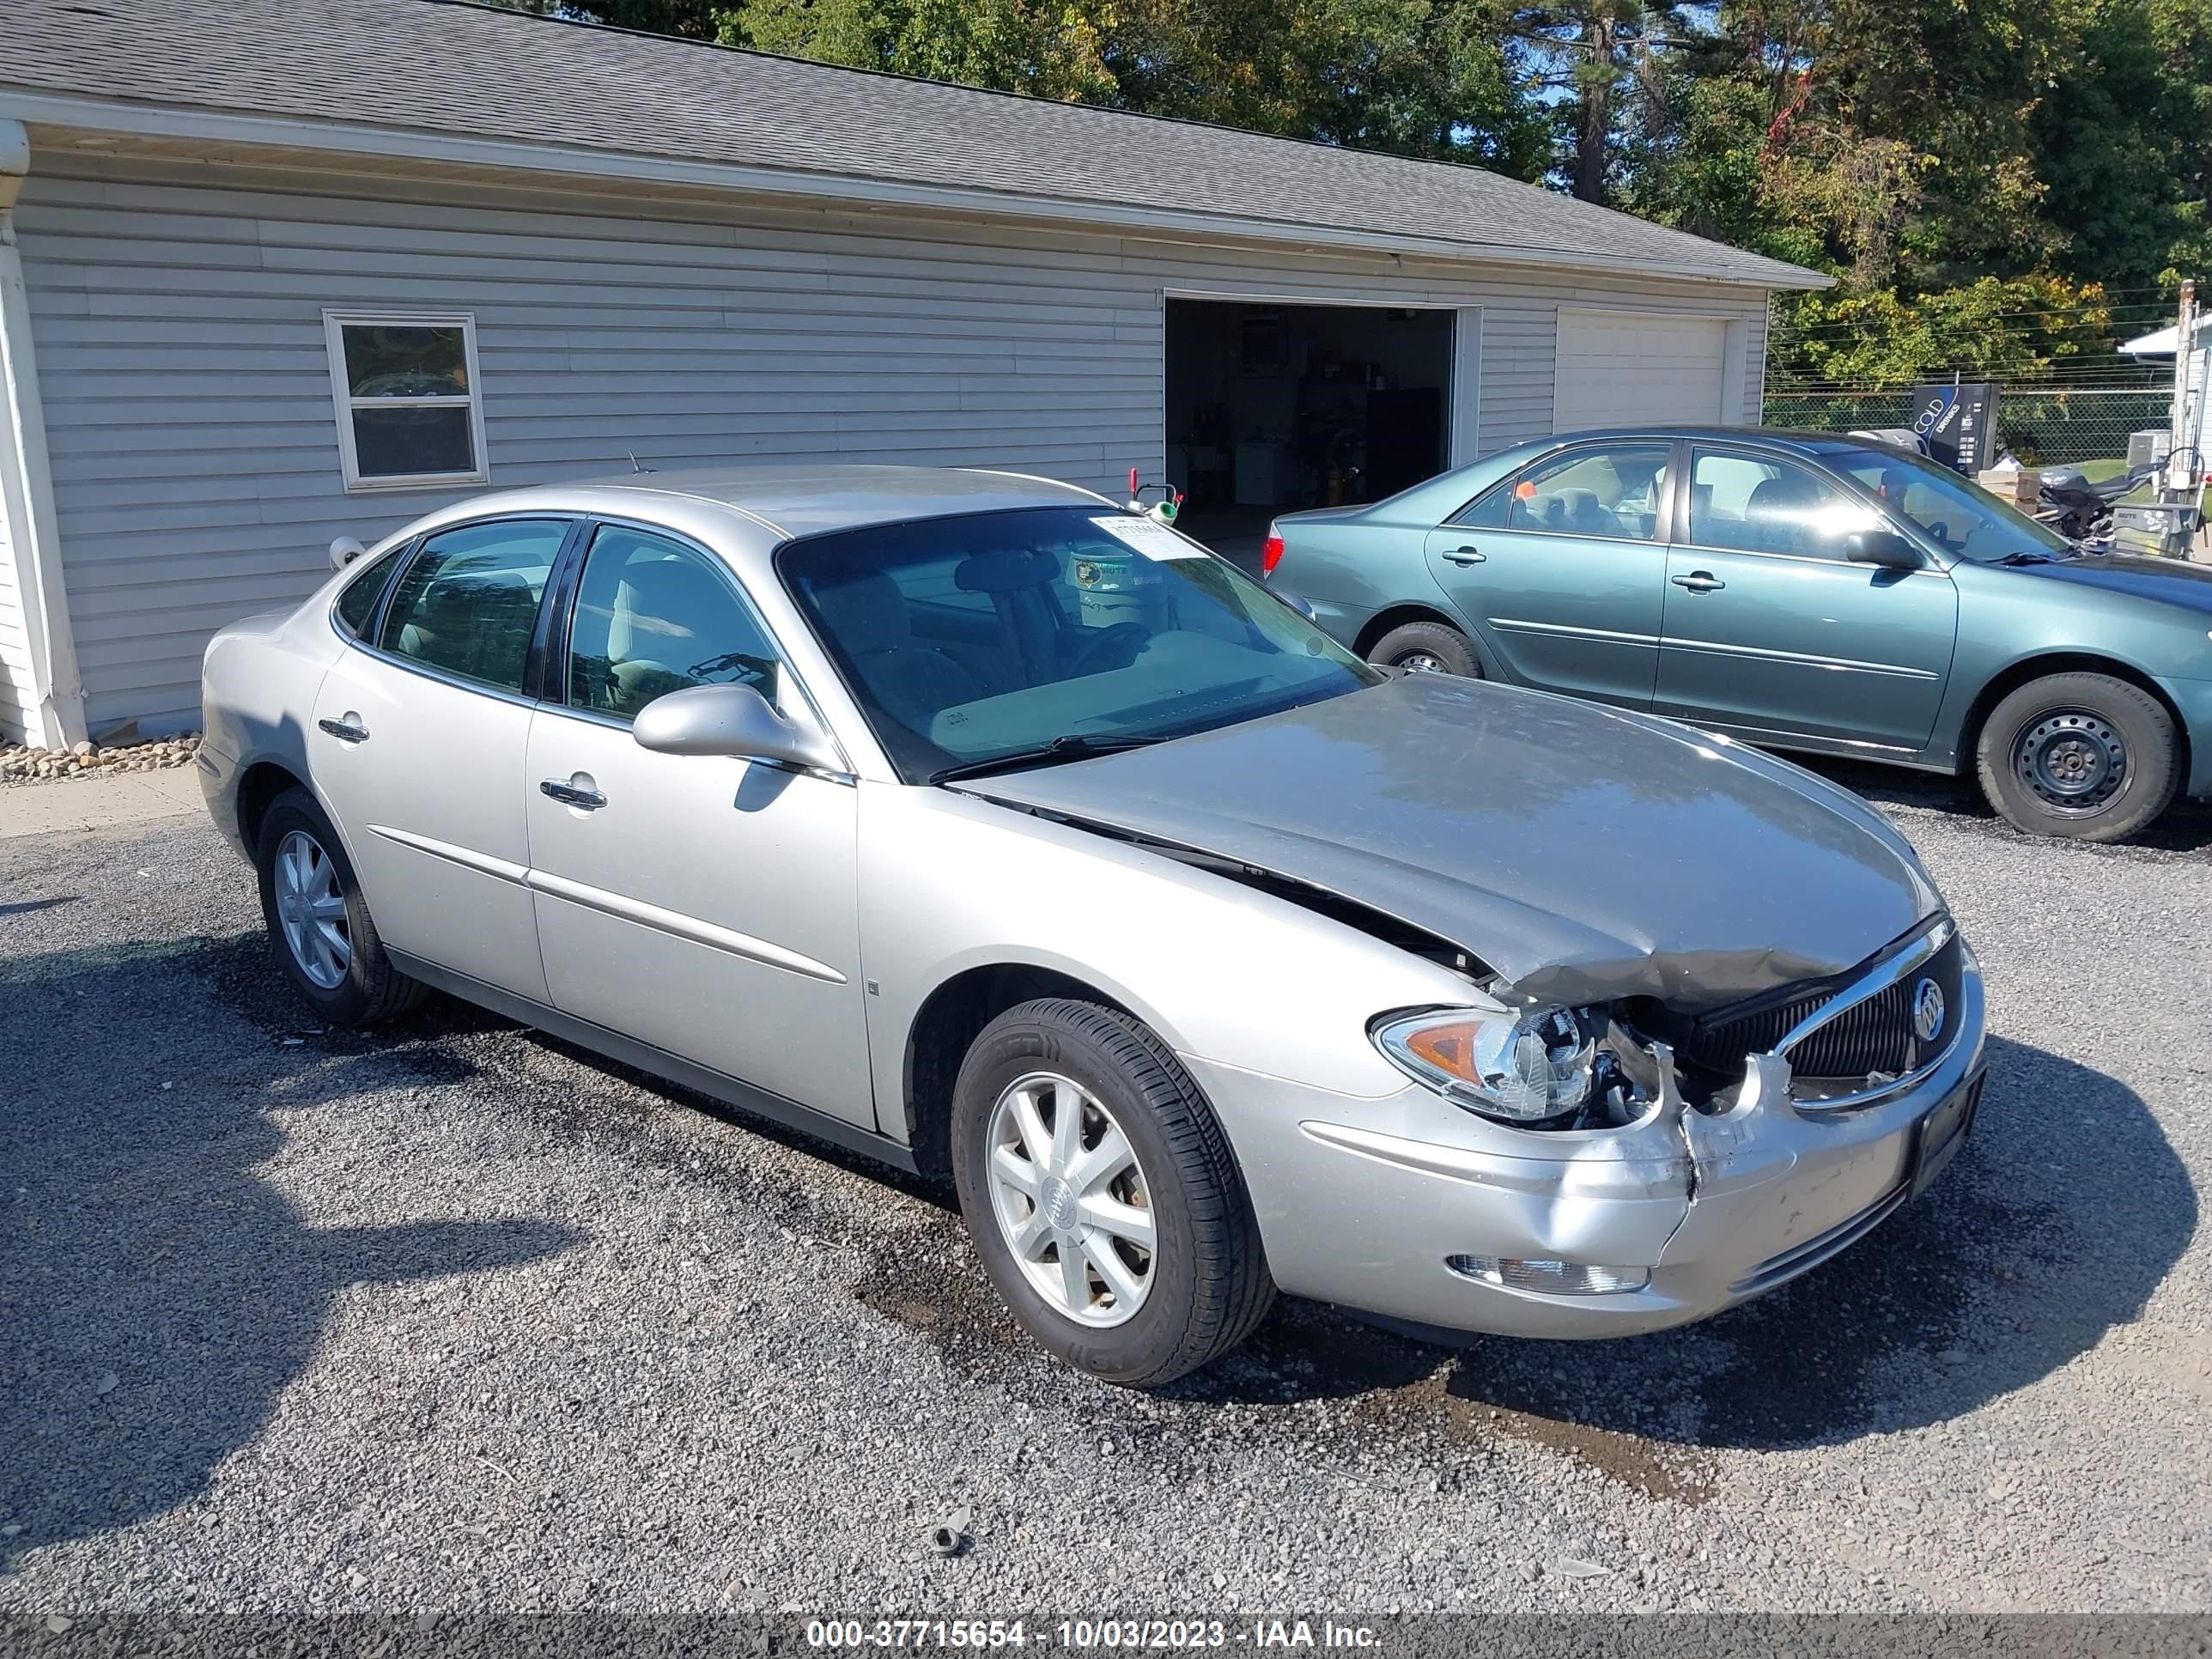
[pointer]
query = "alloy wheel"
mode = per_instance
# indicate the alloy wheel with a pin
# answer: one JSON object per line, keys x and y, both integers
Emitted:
{"x": 311, "y": 911}
{"x": 1071, "y": 1200}
{"x": 2071, "y": 761}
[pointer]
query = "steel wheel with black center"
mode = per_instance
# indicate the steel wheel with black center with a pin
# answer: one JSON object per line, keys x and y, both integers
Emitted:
{"x": 1426, "y": 648}
{"x": 2085, "y": 757}
{"x": 319, "y": 927}
{"x": 1102, "y": 1194}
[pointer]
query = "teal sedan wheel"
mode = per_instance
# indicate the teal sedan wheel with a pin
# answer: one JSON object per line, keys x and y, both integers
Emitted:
{"x": 1426, "y": 648}
{"x": 2085, "y": 757}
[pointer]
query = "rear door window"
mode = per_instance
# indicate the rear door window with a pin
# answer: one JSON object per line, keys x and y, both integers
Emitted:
{"x": 467, "y": 604}
{"x": 1614, "y": 491}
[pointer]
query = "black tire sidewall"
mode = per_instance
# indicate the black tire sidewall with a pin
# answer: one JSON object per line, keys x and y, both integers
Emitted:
{"x": 352, "y": 999}
{"x": 2145, "y": 729}
{"x": 1144, "y": 1349}
{"x": 1445, "y": 643}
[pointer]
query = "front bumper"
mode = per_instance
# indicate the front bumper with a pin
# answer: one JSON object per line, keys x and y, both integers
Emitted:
{"x": 2193, "y": 698}
{"x": 1360, "y": 1202}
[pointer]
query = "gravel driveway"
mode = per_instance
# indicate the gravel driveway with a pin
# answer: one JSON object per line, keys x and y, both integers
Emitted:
{"x": 451, "y": 1317}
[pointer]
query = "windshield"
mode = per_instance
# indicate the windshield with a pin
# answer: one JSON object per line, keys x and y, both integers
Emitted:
{"x": 1958, "y": 516}
{"x": 967, "y": 639}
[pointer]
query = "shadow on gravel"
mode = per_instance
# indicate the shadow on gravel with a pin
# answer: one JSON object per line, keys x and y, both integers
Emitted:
{"x": 2058, "y": 1221}
{"x": 156, "y": 1293}
{"x": 2062, "y": 1216}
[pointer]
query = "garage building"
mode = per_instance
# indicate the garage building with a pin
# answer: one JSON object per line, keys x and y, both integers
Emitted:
{"x": 273, "y": 273}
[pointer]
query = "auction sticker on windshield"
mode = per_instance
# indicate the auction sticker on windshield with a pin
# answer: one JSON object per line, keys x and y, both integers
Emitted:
{"x": 1149, "y": 537}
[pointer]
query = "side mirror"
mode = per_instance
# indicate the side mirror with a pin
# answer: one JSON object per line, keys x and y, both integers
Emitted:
{"x": 344, "y": 550}
{"x": 1297, "y": 602}
{"x": 734, "y": 721}
{"x": 1885, "y": 548}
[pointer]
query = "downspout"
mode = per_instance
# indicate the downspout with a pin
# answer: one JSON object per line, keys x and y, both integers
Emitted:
{"x": 27, "y": 484}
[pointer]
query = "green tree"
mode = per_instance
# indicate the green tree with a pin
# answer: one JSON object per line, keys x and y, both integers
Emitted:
{"x": 697, "y": 20}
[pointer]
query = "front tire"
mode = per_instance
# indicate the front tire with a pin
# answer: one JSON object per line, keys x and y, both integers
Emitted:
{"x": 320, "y": 931}
{"x": 2084, "y": 756}
{"x": 1426, "y": 648}
{"x": 1101, "y": 1195}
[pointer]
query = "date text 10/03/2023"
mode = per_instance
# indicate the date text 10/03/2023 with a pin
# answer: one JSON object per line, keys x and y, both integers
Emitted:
{"x": 1082, "y": 1634}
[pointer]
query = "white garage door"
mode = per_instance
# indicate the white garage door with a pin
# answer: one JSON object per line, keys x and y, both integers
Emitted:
{"x": 1618, "y": 369}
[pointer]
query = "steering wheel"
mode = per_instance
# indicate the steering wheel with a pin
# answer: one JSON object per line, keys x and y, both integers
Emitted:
{"x": 1120, "y": 640}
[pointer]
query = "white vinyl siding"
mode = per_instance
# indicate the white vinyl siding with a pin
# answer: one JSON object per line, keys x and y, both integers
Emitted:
{"x": 195, "y": 447}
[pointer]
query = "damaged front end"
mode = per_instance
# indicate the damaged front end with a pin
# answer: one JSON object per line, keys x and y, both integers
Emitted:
{"x": 1662, "y": 1083}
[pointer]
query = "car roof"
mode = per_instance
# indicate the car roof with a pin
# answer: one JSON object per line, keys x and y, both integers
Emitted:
{"x": 796, "y": 500}
{"x": 1778, "y": 437}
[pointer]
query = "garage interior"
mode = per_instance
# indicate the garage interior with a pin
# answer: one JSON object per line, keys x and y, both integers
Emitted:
{"x": 1275, "y": 407}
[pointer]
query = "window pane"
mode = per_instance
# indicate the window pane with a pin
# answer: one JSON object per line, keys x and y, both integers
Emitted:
{"x": 1960, "y": 517}
{"x": 405, "y": 443}
{"x": 1095, "y": 627}
{"x": 469, "y": 601}
{"x": 653, "y": 617}
{"x": 405, "y": 361}
{"x": 362, "y": 593}
{"x": 1769, "y": 506}
{"x": 1604, "y": 492}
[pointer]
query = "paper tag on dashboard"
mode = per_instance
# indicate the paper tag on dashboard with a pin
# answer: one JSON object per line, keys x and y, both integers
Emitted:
{"x": 1149, "y": 536}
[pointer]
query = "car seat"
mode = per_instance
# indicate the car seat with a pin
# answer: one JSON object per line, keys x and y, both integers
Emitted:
{"x": 866, "y": 614}
{"x": 1018, "y": 582}
{"x": 1779, "y": 515}
{"x": 654, "y": 639}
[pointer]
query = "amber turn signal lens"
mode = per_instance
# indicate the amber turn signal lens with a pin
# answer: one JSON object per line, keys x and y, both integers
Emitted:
{"x": 1449, "y": 1049}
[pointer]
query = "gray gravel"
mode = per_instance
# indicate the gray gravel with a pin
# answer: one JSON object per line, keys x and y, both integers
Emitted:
{"x": 450, "y": 1316}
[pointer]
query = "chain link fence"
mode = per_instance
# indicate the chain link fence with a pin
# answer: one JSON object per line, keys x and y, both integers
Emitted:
{"x": 2043, "y": 425}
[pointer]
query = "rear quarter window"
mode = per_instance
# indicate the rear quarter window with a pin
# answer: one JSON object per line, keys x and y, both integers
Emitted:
{"x": 357, "y": 602}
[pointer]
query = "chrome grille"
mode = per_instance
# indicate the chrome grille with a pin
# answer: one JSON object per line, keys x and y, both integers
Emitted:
{"x": 1874, "y": 1035}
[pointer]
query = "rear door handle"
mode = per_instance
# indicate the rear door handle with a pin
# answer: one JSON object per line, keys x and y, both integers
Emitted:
{"x": 1699, "y": 581}
{"x": 348, "y": 730}
{"x": 1465, "y": 556}
{"x": 570, "y": 794}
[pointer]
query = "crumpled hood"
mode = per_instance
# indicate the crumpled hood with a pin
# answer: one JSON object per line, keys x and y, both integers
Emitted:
{"x": 1582, "y": 851}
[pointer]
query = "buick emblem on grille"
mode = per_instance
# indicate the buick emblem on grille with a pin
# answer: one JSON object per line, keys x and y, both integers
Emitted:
{"x": 1927, "y": 1010}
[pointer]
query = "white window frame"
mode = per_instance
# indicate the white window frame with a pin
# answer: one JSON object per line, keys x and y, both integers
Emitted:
{"x": 335, "y": 324}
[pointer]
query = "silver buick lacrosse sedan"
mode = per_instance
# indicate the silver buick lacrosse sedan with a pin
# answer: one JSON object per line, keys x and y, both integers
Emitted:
{"x": 977, "y": 823}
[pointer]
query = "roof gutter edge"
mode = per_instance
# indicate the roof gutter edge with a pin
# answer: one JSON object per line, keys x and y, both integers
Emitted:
{"x": 413, "y": 144}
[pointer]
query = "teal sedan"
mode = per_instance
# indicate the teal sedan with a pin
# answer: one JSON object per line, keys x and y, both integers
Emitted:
{"x": 1798, "y": 591}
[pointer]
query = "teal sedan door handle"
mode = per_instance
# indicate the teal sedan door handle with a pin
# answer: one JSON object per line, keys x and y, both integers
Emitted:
{"x": 1464, "y": 556}
{"x": 1699, "y": 581}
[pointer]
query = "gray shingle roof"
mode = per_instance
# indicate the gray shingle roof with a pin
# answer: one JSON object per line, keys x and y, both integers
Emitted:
{"x": 428, "y": 66}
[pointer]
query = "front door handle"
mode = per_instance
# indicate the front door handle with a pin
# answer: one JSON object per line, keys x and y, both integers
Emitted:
{"x": 1465, "y": 556}
{"x": 1699, "y": 581}
{"x": 573, "y": 795}
{"x": 348, "y": 730}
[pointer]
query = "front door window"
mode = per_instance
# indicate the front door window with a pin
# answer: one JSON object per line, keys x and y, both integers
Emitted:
{"x": 1748, "y": 504}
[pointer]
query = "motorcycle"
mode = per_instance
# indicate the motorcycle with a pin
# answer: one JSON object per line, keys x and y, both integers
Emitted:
{"x": 2081, "y": 511}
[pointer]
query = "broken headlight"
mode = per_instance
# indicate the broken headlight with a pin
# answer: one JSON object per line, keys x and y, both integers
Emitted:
{"x": 1527, "y": 1066}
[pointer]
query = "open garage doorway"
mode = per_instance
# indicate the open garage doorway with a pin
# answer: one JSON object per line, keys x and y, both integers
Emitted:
{"x": 1272, "y": 407}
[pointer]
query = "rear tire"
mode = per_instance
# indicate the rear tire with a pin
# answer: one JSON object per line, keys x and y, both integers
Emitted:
{"x": 1065, "y": 1253}
{"x": 2082, "y": 756}
{"x": 1426, "y": 648}
{"x": 320, "y": 931}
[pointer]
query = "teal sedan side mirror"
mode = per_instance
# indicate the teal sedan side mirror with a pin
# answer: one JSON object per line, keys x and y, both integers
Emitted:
{"x": 1885, "y": 548}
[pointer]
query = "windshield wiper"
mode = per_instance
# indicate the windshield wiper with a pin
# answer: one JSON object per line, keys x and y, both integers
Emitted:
{"x": 1073, "y": 747}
